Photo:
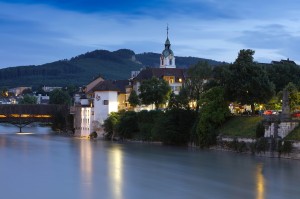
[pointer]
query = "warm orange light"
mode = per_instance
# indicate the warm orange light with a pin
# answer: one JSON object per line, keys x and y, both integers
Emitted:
{"x": 260, "y": 182}
{"x": 27, "y": 116}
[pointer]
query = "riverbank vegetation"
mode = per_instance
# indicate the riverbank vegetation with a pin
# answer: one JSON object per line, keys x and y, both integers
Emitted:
{"x": 211, "y": 90}
{"x": 170, "y": 127}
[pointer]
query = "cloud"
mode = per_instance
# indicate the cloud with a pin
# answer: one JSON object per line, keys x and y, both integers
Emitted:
{"x": 203, "y": 28}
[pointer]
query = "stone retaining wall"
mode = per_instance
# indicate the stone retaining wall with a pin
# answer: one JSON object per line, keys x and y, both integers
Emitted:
{"x": 284, "y": 128}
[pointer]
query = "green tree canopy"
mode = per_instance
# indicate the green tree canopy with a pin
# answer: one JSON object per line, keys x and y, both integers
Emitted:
{"x": 180, "y": 101}
{"x": 154, "y": 91}
{"x": 248, "y": 82}
{"x": 213, "y": 113}
{"x": 28, "y": 99}
{"x": 111, "y": 125}
{"x": 58, "y": 96}
{"x": 281, "y": 73}
{"x": 133, "y": 99}
{"x": 198, "y": 77}
{"x": 294, "y": 96}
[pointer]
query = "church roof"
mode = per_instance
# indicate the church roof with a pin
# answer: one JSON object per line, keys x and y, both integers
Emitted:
{"x": 148, "y": 73}
{"x": 106, "y": 85}
{"x": 121, "y": 85}
{"x": 167, "y": 41}
{"x": 109, "y": 85}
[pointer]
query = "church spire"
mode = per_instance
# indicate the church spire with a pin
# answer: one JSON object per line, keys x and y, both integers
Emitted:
{"x": 167, "y": 43}
{"x": 167, "y": 30}
{"x": 167, "y": 59}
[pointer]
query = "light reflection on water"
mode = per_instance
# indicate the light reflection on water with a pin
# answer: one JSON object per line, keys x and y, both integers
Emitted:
{"x": 115, "y": 165}
{"x": 260, "y": 182}
{"x": 47, "y": 166}
{"x": 86, "y": 168}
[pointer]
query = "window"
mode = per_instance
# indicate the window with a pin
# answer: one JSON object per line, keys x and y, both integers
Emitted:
{"x": 169, "y": 79}
{"x": 105, "y": 102}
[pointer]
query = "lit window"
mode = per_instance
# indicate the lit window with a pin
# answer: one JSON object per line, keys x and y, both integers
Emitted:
{"x": 169, "y": 79}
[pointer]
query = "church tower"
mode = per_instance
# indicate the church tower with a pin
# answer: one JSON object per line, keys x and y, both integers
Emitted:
{"x": 167, "y": 59}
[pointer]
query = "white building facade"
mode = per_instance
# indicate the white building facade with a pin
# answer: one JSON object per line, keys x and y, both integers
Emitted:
{"x": 94, "y": 107}
{"x": 105, "y": 102}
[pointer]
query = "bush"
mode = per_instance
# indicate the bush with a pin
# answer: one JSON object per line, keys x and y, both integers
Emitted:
{"x": 233, "y": 145}
{"x": 260, "y": 130}
{"x": 261, "y": 145}
{"x": 93, "y": 135}
{"x": 128, "y": 125}
{"x": 252, "y": 147}
{"x": 174, "y": 128}
{"x": 146, "y": 122}
{"x": 111, "y": 124}
{"x": 242, "y": 147}
{"x": 286, "y": 147}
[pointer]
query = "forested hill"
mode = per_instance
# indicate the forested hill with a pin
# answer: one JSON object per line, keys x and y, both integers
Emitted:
{"x": 81, "y": 69}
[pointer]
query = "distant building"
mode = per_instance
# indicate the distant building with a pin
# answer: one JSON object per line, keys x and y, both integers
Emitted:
{"x": 42, "y": 99}
{"x": 288, "y": 61}
{"x": 18, "y": 90}
{"x": 5, "y": 101}
{"x": 50, "y": 88}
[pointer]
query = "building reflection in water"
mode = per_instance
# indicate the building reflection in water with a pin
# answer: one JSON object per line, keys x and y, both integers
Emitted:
{"x": 86, "y": 168}
{"x": 115, "y": 164}
{"x": 260, "y": 182}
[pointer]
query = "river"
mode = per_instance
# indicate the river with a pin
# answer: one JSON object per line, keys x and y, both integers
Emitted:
{"x": 42, "y": 165}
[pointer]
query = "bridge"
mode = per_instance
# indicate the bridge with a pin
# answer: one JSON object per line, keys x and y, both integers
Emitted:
{"x": 21, "y": 115}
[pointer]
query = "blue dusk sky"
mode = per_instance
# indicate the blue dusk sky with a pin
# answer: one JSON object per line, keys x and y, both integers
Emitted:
{"x": 41, "y": 31}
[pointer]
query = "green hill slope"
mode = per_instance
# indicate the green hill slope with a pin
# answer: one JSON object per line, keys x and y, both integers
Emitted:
{"x": 83, "y": 68}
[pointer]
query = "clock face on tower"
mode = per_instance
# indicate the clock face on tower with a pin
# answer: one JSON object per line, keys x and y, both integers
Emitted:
{"x": 98, "y": 97}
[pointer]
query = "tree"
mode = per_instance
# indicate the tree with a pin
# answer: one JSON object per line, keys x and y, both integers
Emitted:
{"x": 154, "y": 91}
{"x": 58, "y": 96}
{"x": 128, "y": 125}
{"x": 28, "y": 99}
{"x": 283, "y": 72}
{"x": 133, "y": 99}
{"x": 111, "y": 125}
{"x": 248, "y": 82}
{"x": 213, "y": 113}
{"x": 294, "y": 98}
{"x": 198, "y": 77}
{"x": 174, "y": 126}
{"x": 180, "y": 101}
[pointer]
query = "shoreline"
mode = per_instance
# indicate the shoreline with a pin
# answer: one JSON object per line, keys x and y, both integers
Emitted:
{"x": 266, "y": 154}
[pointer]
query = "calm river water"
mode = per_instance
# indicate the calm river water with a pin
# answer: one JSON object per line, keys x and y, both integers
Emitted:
{"x": 43, "y": 165}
